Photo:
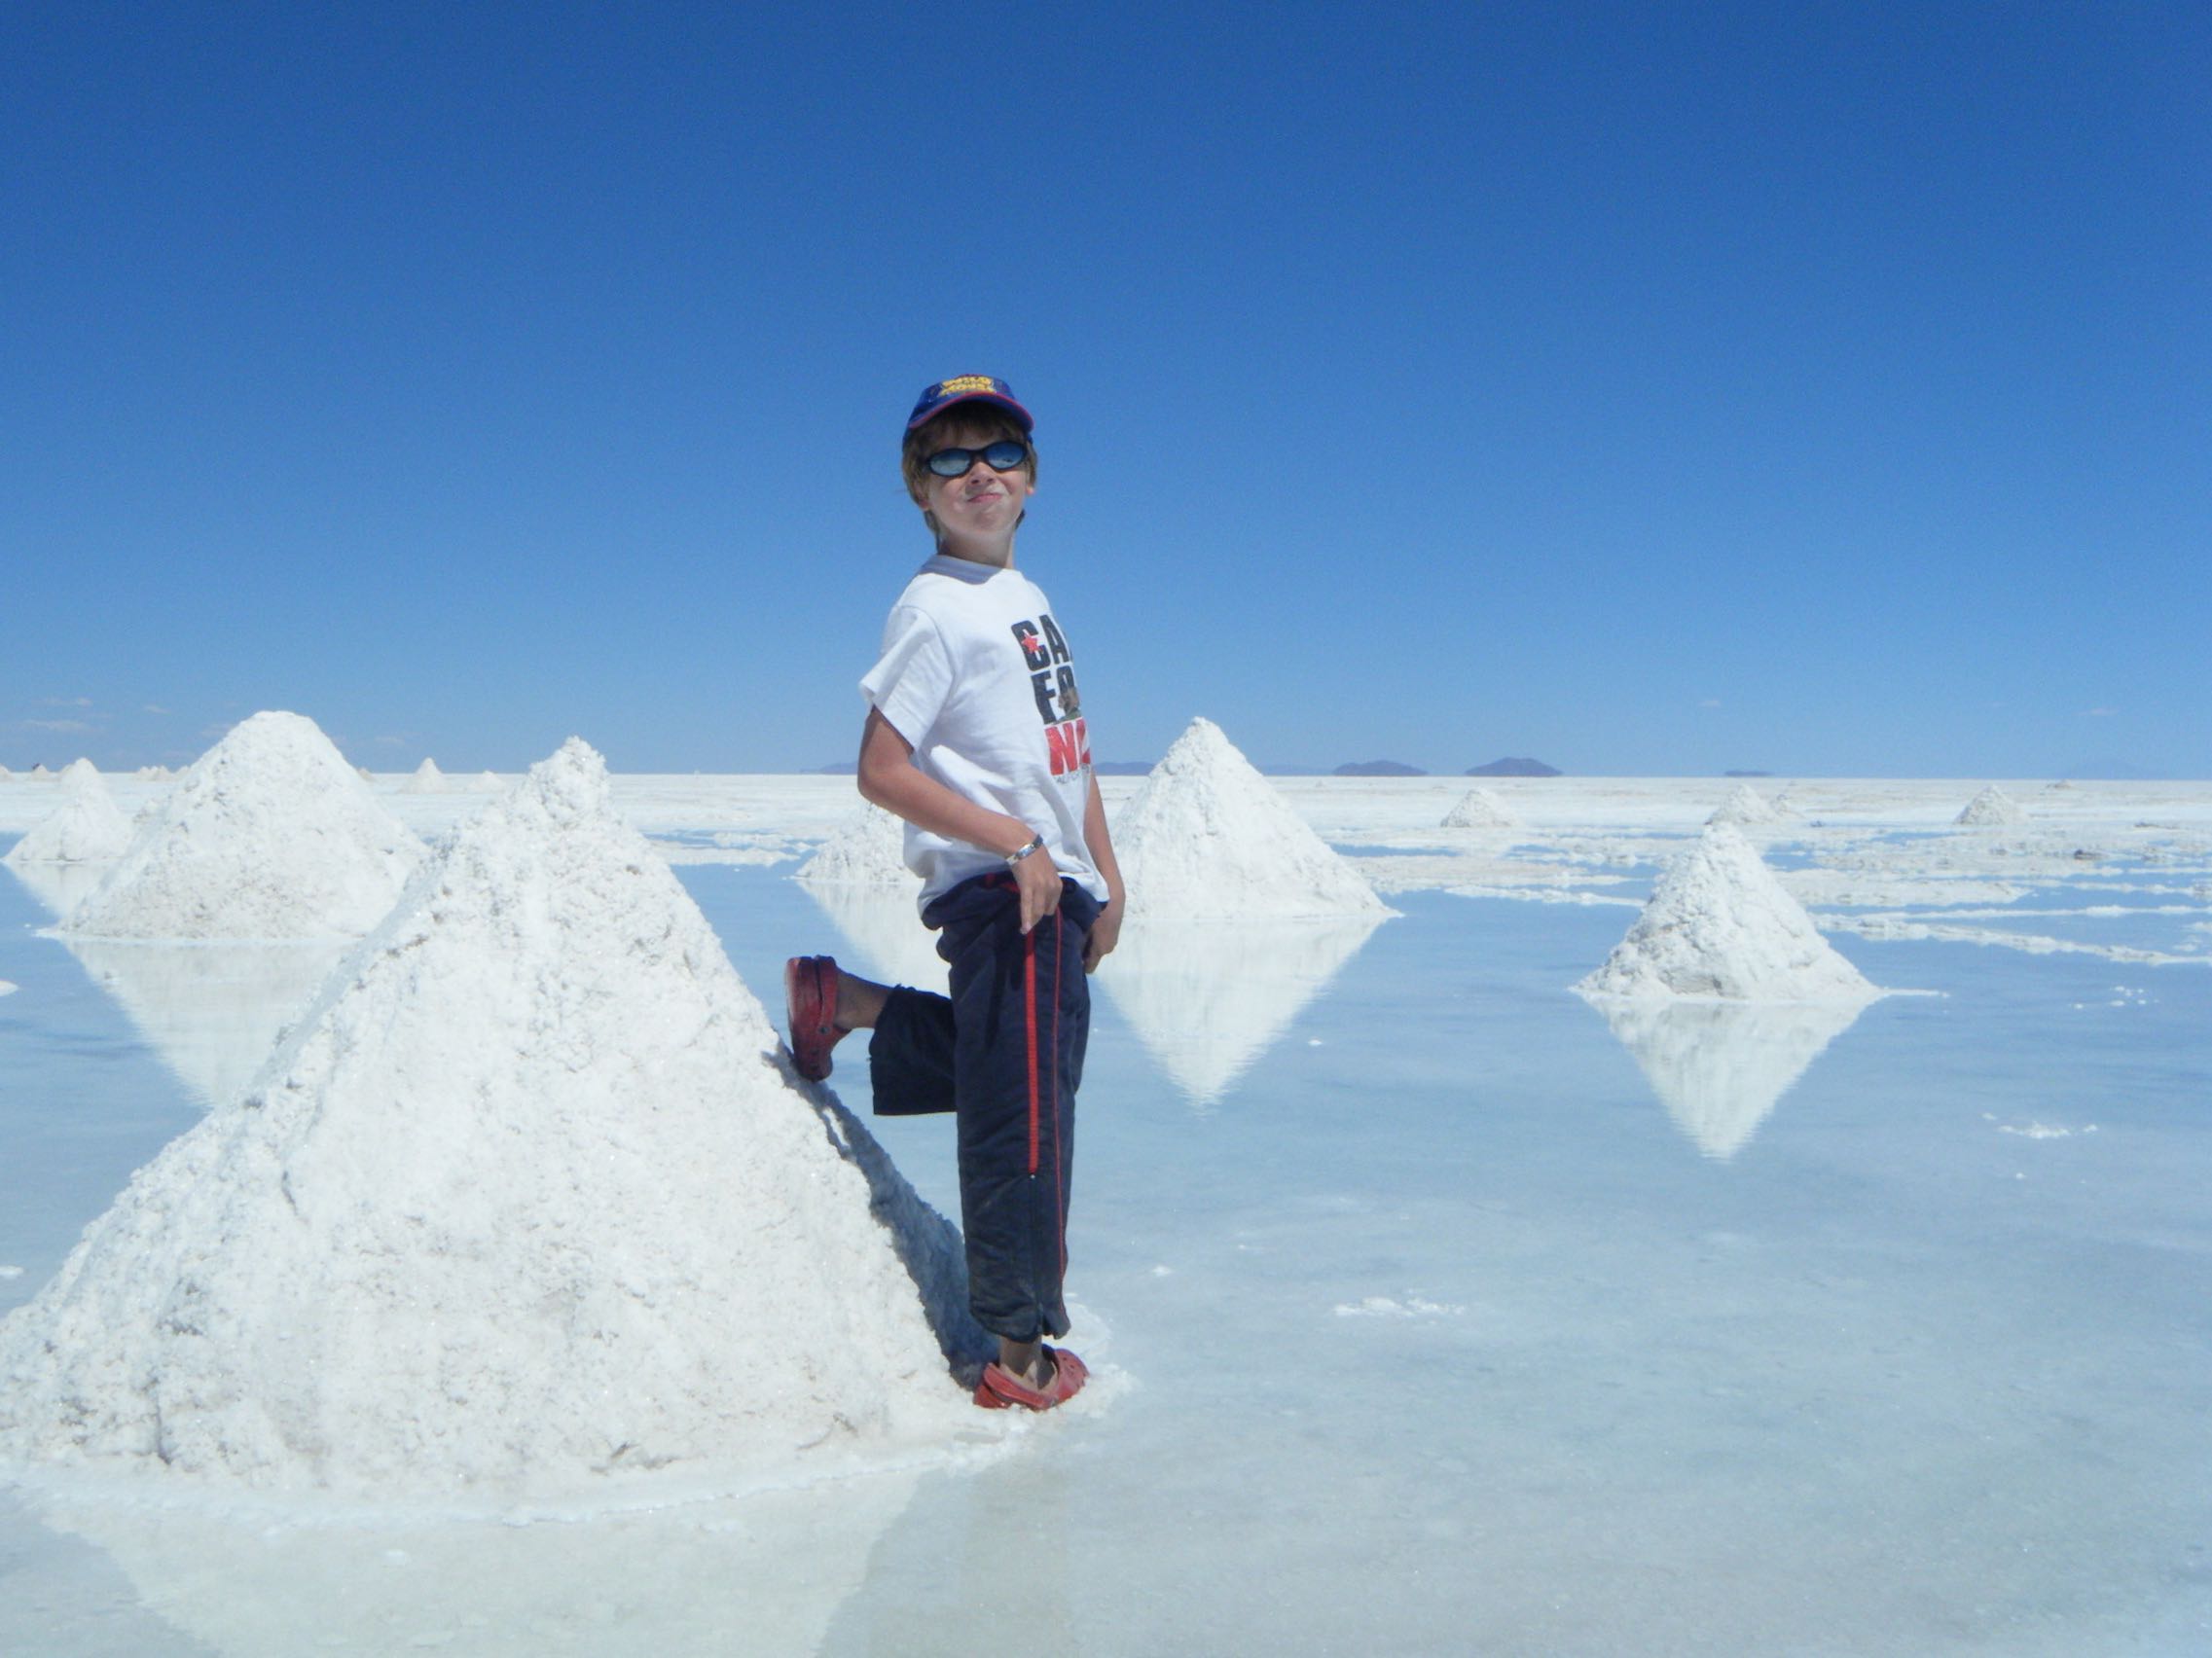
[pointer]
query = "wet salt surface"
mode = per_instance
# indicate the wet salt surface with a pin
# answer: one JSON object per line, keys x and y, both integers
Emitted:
{"x": 1904, "y": 1370}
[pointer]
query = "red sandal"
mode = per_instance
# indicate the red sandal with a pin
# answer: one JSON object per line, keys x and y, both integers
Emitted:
{"x": 810, "y": 1009}
{"x": 1000, "y": 1390}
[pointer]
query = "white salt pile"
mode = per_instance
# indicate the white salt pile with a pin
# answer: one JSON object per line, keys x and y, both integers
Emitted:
{"x": 1746, "y": 806}
{"x": 1720, "y": 925}
{"x": 1480, "y": 808}
{"x": 1989, "y": 808}
{"x": 426, "y": 778}
{"x": 1207, "y": 838}
{"x": 40, "y": 772}
{"x": 870, "y": 851}
{"x": 268, "y": 836}
{"x": 524, "y": 1207}
{"x": 88, "y": 827}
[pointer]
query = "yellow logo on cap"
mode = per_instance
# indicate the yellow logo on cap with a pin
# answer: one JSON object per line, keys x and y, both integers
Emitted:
{"x": 967, "y": 383}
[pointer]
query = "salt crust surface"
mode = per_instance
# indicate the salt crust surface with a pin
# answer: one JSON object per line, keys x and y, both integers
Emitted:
{"x": 268, "y": 836}
{"x": 524, "y": 1207}
{"x": 1207, "y": 838}
{"x": 1720, "y": 925}
{"x": 869, "y": 851}
{"x": 1991, "y": 806}
{"x": 88, "y": 827}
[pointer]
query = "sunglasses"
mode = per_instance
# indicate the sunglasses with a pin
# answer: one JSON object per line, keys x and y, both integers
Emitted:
{"x": 1001, "y": 457}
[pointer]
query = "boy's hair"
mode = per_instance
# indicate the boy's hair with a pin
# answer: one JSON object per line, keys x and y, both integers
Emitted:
{"x": 989, "y": 422}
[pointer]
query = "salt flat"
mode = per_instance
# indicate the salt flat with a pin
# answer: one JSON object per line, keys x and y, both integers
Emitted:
{"x": 1448, "y": 1313}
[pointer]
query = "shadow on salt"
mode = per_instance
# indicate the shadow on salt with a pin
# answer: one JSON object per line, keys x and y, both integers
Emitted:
{"x": 1208, "y": 999}
{"x": 1721, "y": 1067}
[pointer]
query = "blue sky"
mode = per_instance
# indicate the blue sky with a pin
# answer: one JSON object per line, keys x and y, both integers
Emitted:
{"x": 1650, "y": 390}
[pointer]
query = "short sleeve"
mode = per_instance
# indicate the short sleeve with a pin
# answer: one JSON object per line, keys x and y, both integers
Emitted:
{"x": 913, "y": 676}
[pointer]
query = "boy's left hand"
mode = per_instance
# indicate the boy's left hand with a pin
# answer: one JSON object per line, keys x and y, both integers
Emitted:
{"x": 1106, "y": 933}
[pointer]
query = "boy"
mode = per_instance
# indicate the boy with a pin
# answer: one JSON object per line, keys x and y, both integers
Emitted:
{"x": 975, "y": 736}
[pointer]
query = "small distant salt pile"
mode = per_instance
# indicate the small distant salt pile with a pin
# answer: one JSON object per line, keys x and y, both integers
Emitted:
{"x": 88, "y": 827}
{"x": 425, "y": 779}
{"x": 1747, "y": 808}
{"x": 489, "y": 779}
{"x": 1480, "y": 808}
{"x": 268, "y": 836}
{"x": 868, "y": 852}
{"x": 1720, "y": 925}
{"x": 1991, "y": 808}
{"x": 39, "y": 772}
{"x": 524, "y": 1206}
{"x": 1207, "y": 837}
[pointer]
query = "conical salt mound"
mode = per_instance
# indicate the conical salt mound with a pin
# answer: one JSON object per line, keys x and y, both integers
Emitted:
{"x": 1207, "y": 838}
{"x": 1746, "y": 806}
{"x": 1480, "y": 808}
{"x": 268, "y": 836}
{"x": 88, "y": 827}
{"x": 425, "y": 779}
{"x": 1991, "y": 808}
{"x": 1720, "y": 925}
{"x": 524, "y": 1206}
{"x": 868, "y": 852}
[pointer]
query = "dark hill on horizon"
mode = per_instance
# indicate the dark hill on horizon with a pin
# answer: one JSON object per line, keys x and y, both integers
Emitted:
{"x": 1377, "y": 769}
{"x": 1515, "y": 766}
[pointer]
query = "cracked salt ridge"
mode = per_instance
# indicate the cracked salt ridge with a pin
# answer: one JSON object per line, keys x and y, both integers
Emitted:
{"x": 1899, "y": 928}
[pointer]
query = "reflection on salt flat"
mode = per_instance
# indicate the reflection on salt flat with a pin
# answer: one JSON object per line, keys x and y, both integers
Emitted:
{"x": 886, "y": 932}
{"x": 211, "y": 1011}
{"x": 1719, "y": 1068}
{"x": 59, "y": 887}
{"x": 1208, "y": 999}
{"x": 765, "y": 1572}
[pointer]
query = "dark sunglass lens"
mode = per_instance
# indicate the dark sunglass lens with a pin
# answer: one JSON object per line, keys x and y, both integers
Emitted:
{"x": 1004, "y": 456}
{"x": 952, "y": 462}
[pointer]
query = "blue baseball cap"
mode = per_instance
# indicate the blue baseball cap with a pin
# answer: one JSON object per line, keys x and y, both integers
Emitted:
{"x": 968, "y": 389}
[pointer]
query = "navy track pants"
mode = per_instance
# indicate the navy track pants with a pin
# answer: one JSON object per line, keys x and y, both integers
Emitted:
{"x": 1004, "y": 1053}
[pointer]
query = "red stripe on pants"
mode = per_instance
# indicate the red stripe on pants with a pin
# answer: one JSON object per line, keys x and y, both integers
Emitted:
{"x": 1028, "y": 981}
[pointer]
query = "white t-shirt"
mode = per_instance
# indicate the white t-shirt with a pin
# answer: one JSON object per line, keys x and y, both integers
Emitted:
{"x": 977, "y": 675}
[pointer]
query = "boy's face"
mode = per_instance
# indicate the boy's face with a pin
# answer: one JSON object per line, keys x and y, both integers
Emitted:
{"x": 981, "y": 505}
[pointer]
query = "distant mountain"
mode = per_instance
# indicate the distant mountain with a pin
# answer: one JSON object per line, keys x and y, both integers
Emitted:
{"x": 1747, "y": 773}
{"x": 1377, "y": 769}
{"x": 1514, "y": 765}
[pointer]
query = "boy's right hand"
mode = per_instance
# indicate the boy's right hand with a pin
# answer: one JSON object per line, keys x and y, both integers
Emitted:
{"x": 1038, "y": 881}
